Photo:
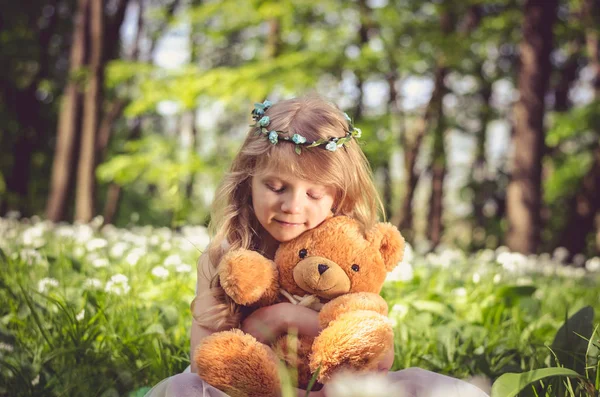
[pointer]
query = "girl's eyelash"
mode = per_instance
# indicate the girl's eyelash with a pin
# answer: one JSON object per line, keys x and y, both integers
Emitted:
{"x": 276, "y": 190}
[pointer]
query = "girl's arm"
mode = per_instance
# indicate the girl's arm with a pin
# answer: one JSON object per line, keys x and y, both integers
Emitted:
{"x": 267, "y": 323}
{"x": 202, "y": 302}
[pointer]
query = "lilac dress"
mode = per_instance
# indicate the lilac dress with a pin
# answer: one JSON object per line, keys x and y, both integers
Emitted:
{"x": 410, "y": 382}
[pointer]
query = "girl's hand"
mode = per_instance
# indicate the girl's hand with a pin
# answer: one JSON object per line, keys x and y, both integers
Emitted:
{"x": 267, "y": 323}
{"x": 387, "y": 361}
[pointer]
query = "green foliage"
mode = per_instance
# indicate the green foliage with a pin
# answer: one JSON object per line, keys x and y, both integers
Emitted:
{"x": 509, "y": 385}
{"x": 105, "y": 311}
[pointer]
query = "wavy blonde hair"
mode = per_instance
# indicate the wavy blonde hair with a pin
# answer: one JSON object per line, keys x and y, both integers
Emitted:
{"x": 233, "y": 221}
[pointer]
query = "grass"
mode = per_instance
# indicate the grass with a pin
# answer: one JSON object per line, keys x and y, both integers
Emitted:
{"x": 105, "y": 312}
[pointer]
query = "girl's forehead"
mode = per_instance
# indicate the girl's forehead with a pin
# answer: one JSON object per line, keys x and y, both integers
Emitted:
{"x": 285, "y": 177}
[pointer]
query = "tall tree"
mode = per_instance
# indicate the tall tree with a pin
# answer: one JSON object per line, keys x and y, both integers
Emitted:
{"x": 524, "y": 190}
{"x": 584, "y": 206}
{"x": 86, "y": 178}
{"x": 69, "y": 119}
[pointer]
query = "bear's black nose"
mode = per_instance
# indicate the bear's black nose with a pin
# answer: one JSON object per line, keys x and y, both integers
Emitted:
{"x": 322, "y": 268}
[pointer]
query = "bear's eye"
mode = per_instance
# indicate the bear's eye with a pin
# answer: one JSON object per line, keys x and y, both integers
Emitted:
{"x": 302, "y": 254}
{"x": 355, "y": 267}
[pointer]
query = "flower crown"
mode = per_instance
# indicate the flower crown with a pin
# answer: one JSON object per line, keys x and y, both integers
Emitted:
{"x": 331, "y": 144}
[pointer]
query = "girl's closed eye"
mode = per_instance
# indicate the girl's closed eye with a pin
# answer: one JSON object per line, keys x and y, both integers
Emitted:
{"x": 274, "y": 188}
{"x": 315, "y": 195}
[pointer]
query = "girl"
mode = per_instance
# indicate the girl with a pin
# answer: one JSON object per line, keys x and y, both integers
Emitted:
{"x": 299, "y": 164}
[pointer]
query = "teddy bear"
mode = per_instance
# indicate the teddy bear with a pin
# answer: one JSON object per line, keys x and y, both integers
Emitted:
{"x": 336, "y": 268}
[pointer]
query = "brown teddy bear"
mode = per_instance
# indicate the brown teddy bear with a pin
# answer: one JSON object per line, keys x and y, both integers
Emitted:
{"x": 336, "y": 268}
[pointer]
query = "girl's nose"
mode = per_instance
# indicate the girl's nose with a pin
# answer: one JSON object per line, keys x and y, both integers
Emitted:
{"x": 291, "y": 204}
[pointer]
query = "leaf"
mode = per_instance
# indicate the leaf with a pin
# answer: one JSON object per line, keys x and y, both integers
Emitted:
{"x": 140, "y": 392}
{"x": 434, "y": 307}
{"x": 513, "y": 293}
{"x": 298, "y": 150}
{"x": 570, "y": 343}
{"x": 510, "y": 384}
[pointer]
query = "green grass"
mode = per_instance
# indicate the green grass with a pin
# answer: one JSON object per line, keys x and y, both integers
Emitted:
{"x": 105, "y": 312}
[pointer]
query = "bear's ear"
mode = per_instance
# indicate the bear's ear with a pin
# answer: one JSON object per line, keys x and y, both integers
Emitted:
{"x": 390, "y": 243}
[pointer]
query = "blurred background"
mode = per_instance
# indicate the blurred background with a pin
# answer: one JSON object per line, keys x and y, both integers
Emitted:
{"x": 481, "y": 119}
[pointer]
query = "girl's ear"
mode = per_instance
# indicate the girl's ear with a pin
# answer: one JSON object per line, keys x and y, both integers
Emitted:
{"x": 390, "y": 243}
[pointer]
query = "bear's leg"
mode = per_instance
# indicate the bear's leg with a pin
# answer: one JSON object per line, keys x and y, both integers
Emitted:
{"x": 294, "y": 350}
{"x": 355, "y": 341}
{"x": 239, "y": 365}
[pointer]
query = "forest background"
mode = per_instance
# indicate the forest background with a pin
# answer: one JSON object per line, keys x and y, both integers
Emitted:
{"x": 479, "y": 115}
{"x": 481, "y": 121}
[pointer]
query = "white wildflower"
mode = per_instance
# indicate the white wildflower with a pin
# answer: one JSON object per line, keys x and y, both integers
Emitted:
{"x": 100, "y": 262}
{"x": 166, "y": 246}
{"x": 79, "y": 251}
{"x": 95, "y": 244}
{"x": 118, "y": 284}
{"x": 93, "y": 283}
{"x": 83, "y": 232}
{"x": 497, "y": 279}
{"x": 476, "y": 278}
{"x": 512, "y": 261}
{"x": 593, "y": 264}
{"x": 97, "y": 222}
{"x": 402, "y": 272}
{"x": 34, "y": 236}
{"x": 13, "y": 215}
{"x": 80, "y": 315}
{"x": 409, "y": 253}
{"x": 154, "y": 240}
{"x": 30, "y": 256}
{"x": 398, "y": 311}
{"x": 461, "y": 292}
{"x": 450, "y": 257}
{"x": 524, "y": 281}
{"x": 560, "y": 254}
{"x": 133, "y": 257}
{"x": 347, "y": 384}
{"x": 172, "y": 260}
{"x": 35, "y": 380}
{"x": 160, "y": 272}
{"x": 502, "y": 249}
{"x": 117, "y": 250}
{"x": 45, "y": 283}
{"x": 6, "y": 347}
{"x": 579, "y": 260}
{"x": 65, "y": 231}
{"x": 486, "y": 256}
{"x": 183, "y": 268}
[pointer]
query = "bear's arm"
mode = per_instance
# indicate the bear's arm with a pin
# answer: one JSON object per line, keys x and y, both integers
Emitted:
{"x": 352, "y": 302}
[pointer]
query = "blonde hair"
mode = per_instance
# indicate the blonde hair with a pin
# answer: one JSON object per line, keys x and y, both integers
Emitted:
{"x": 347, "y": 169}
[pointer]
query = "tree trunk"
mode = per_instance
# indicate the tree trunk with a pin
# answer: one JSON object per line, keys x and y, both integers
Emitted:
{"x": 435, "y": 225}
{"x": 479, "y": 171}
{"x": 585, "y": 206}
{"x": 411, "y": 152}
{"x": 86, "y": 178}
{"x": 113, "y": 196}
{"x": 68, "y": 121}
{"x": 524, "y": 194}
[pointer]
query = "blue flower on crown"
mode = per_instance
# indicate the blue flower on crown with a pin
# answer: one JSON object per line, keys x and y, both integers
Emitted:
{"x": 331, "y": 146}
{"x": 267, "y": 104}
{"x": 273, "y": 137}
{"x": 264, "y": 121}
{"x": 298, "y": 139}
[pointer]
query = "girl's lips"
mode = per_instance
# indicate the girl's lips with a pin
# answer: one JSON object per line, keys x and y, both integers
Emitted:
{"x": 287, "y": 223}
